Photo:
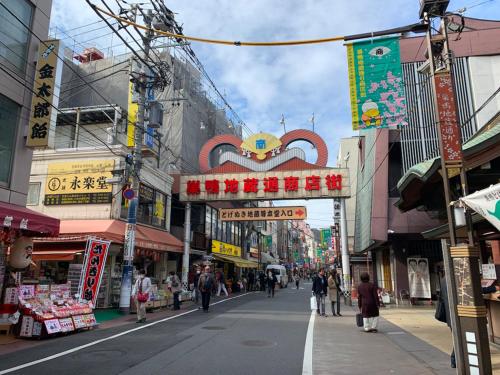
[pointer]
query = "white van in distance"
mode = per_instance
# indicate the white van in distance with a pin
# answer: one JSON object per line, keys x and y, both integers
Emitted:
{"x": 280, "y": 272}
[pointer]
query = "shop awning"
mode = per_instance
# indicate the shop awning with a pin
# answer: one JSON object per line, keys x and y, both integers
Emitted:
{"x": 266, "y": 258}
{"x": 239, "y": 262}
{"x": 63, "y": 255}
{"x": 19, "y": 217}
{"x": 145, "y": 237}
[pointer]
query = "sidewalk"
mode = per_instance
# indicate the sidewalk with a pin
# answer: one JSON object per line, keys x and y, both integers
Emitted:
{"x": 420, "y": 322}
{"x": 9, "y": 344}
{"x": 342, "y": 348}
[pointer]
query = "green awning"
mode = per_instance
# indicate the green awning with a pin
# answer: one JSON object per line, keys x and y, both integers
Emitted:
{"x": 486, "y": 136}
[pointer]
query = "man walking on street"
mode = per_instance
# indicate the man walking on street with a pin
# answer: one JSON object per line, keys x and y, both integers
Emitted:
{"x": 251, "y": 281}
{"x": 205, "y": 284}
{"x": 175, "y": 288}
{"x": 319, "y": 289}
{"x": 271, "y": 283}
{"x": 262, "y": 281}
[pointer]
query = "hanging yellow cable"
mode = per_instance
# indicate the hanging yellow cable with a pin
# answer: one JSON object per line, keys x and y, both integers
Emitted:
{"x": 217, "y": 41}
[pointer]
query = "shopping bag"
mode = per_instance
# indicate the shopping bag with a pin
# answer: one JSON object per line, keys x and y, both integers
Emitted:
{"x": 313, "y": 303}
{"x": 359, "y": 320}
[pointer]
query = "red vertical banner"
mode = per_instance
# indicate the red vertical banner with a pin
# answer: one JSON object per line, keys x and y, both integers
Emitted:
{"x": 448, "y": 119}
{"x": 93, "y": 269}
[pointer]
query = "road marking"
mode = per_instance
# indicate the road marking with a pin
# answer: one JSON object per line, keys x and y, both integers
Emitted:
{"x": 307, "y": 365}
{"x": 69, "y": 351}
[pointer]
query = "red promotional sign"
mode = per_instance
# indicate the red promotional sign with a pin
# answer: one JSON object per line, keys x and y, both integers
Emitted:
{"x": 448, "y": 119}
{"x": 93, "y": 268}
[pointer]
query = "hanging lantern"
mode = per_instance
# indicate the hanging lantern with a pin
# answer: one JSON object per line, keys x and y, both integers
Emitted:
{"x": 21, "y": 252}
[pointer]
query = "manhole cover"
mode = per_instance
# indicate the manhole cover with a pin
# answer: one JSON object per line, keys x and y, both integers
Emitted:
{"x": 214, "y": 328}
{"x": 258, "y": 343}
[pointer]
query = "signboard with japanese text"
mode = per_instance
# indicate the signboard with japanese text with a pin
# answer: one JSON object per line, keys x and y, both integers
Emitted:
{"x": 376, "y": 84}
{"x": 43, "y": 116}
{"x": 271, "y": 185}
{"x": 486, "y": 203}
{"x": 326, "y": 237}
{"x": 133, "y": 107}
{"x": 223, "y": 248}
{"x": 79, "y": 182}
{"x": 269, "y": 213}
{"x": 448, "y": 120}
{"x": 93, "y": 268}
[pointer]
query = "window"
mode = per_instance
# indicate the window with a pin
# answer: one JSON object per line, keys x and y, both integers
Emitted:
{"x": 9, "y": 115}
{"x": 145, "y": 207}
{"x": 33, "y": 194}
{"x": 214, "y": 223}
{"x": 14, "y": 37}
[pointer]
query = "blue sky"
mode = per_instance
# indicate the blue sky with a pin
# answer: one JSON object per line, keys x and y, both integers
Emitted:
{"x": 262, "y": 83}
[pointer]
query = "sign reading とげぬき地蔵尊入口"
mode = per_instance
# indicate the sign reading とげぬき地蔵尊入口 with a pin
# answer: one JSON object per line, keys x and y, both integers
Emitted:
{"x": 271, "y": 185}
{"x": 267, "y": 213}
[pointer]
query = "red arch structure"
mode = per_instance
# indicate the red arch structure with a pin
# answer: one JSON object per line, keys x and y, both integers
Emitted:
{"x": 311, "y": 137}
{"x": 218, "y": 140}
{"x": 286, "y": 139}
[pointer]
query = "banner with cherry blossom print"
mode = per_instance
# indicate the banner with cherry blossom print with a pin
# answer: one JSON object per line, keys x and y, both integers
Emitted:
{"x": 376, "y": 84}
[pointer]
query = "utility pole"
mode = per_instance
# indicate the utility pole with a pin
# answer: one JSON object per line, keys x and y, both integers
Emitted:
{"x": 467, "y": 309}
{"x": 139, "y": 129}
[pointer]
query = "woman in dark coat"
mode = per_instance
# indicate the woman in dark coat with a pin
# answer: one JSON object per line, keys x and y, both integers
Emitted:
{"x": 368, "y": 303}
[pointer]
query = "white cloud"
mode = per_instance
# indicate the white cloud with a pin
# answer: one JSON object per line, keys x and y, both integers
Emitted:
{"x": 262, "y": 83}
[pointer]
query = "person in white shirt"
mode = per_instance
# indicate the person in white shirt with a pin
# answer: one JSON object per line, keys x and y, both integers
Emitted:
{"x": 140, "y": 292}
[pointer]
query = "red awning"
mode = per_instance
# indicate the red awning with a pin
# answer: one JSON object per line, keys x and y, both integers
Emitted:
{"x": 18, "y": 217}
{"x": 145, "y": 237}
{"x": 61, "y": 255}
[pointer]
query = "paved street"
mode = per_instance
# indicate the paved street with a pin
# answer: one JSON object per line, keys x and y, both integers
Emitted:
{"x": 248, "y": 334}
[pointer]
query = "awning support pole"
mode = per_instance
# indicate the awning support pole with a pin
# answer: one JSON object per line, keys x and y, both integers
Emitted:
{"x": 187, "y": 240}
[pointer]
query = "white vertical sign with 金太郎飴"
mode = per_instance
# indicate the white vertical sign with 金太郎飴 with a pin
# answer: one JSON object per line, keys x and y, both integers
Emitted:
{"x": 419, "y": 277}
{"x": 43, "y": 111}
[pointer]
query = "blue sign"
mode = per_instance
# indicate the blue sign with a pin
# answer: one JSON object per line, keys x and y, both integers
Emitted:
{"x": 148, "y": 137}
{"x": 260, "y": 144}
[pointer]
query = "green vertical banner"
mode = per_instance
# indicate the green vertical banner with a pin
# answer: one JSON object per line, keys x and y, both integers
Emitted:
{"x": 326, "y": 238}
{"x": 269, "y": 242}
{"x": 376, "y": 84}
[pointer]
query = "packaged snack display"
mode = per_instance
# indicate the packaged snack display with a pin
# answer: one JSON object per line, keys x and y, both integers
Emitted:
{"x": 52, "y": 307}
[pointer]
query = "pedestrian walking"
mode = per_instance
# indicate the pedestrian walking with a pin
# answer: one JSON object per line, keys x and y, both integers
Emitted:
{"x": 368, "y": 303}
{"x": 196, "y": 290}
{"x": 262, "y": 281}
{"x": 251, "y": 281}
{"x": 221, "y": 284}
{"x": 333, "y": 293}
{"x": 205, "y": 284}
{"x": 297, "y": 280}
{"x": 271, "y": 283}
{"x": 320, "y": 290}
{"x": 140, "y": 293}
{"x": 175, "y": 288}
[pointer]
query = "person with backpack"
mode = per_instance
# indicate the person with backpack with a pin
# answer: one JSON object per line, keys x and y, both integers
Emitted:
{"x": 175, "y": 288}
{"x": 205, "y": 284}
{"x": 140, "y": 292}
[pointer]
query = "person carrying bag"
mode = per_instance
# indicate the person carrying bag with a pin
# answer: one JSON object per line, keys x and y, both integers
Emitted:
{"x": 141, "y": 290}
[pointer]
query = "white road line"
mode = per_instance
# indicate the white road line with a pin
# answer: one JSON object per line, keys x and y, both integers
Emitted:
{"x": 307, "y": 365}
{"x": 69, "y": 351}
